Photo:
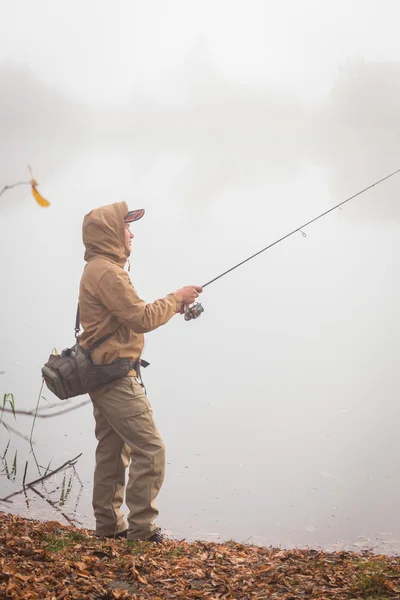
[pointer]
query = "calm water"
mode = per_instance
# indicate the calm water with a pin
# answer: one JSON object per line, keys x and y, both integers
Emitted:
{"x": 279, "y": 407}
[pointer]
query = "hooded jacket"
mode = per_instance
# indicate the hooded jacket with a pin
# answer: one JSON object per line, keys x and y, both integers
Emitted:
{"x": 108, "y": 301}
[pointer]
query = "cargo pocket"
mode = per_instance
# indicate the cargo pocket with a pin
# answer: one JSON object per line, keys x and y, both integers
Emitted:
{"x": 136, "y": 423}
{"x": 137, "y": 403}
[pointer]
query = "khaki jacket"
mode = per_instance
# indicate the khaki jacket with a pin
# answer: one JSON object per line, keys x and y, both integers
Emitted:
{"x": 108, "y": 301}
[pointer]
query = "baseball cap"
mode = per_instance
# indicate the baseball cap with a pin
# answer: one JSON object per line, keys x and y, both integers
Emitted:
{"x": 134, "y": 215}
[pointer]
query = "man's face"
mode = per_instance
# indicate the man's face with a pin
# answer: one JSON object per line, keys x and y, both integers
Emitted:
{"x": 128, "y": 237}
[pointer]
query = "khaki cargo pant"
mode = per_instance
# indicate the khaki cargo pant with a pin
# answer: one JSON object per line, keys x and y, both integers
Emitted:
{"x": 126, "y": 433}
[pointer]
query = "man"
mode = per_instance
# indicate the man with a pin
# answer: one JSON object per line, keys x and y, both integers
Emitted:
{"x": 125, "y": 428}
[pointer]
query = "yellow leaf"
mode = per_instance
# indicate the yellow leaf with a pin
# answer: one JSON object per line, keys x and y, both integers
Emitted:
{"x": 39, "y": 199}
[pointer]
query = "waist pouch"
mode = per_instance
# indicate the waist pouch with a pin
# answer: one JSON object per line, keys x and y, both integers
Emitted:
{"x": 73, "y": 373}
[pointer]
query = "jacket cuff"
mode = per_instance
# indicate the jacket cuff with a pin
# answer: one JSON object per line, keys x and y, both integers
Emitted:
{"x": 178, "y": 302}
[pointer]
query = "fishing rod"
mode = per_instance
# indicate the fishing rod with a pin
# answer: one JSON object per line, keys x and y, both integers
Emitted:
{"x": 195, "y": 310}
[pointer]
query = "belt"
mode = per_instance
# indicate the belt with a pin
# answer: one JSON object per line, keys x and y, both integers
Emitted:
{"x": 136, "y": 366}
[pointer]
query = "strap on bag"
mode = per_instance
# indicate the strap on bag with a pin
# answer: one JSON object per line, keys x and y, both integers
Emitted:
{"x": 77, "y": 322}
{"x": 78, "y": 327}
{"x": 136, "y": 365}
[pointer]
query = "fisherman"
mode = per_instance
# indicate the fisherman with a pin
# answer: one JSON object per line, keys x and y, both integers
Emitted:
{"x": 125, "y": 428}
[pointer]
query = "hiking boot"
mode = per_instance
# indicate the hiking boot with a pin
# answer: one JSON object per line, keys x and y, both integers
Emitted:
{"x": 156, "y": 538}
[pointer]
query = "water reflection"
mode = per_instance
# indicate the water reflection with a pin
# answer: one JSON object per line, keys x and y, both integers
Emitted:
{"x": 10, "y": 473}
{"x": 60, "y": 487}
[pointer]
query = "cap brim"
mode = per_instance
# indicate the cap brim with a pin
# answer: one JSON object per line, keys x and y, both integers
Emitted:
{"x": 134, "y": 215}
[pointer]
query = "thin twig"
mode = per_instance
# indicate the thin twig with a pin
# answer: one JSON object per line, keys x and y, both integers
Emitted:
{"x": 13, "y": 185}
{"x": 36, "y": 410}
{"x": 26, "y": 468}
{"x": 79, "y": 493}
{"x": 36, "y": 462}
{"x": 12, "y": 430}
{"x": 6, "y": 450}
{"x": 69, "y": 463}
{"x": 55, "y": 404}
{"x": 54, "y": 505}
{"x": 30, "y": 413}
{"x": 26, "y": 499}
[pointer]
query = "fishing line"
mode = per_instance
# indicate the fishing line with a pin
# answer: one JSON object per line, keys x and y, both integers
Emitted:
{"x": 300, "y": 228}
{"x": 196, "y": 309}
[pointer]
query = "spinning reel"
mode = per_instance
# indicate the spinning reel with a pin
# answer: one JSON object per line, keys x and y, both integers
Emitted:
{"x": 193, "y": 311}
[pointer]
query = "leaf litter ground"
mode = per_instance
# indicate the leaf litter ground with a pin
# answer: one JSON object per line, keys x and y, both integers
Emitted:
{"x": 48, "y": 560}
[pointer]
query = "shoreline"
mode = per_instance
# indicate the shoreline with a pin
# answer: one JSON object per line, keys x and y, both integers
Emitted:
{"x": 46, "y": 559}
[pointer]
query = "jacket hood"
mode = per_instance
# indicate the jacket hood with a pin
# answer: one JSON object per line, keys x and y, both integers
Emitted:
{"x": 103, "y": 233}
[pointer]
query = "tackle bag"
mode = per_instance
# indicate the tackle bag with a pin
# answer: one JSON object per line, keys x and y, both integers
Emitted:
{"x": 73, "y": 373}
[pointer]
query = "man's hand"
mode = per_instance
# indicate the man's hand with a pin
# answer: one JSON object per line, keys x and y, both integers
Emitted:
{"x": 188, "y": 294}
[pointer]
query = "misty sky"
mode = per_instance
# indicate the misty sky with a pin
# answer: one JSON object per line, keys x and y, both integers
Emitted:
{"x": 97, "y": 53}
{"x": 231, "y": 123}
{"x": 306, "y": 82}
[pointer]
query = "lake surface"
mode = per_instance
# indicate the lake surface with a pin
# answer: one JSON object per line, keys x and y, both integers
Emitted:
{"x": 279, "y": 406}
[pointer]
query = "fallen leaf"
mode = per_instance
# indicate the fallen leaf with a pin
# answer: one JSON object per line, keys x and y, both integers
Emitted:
{"x": 80, "y": 565}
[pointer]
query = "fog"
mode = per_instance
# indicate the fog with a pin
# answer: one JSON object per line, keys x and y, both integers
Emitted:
{"x": 231, "y": 126}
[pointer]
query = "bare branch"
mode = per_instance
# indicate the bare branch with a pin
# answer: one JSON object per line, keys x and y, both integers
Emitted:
{"x": 69, "y": 463}
{"x": 13, "y": 185}
{"x": 12, "y": 430}
{"x": 31, "y": 413}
